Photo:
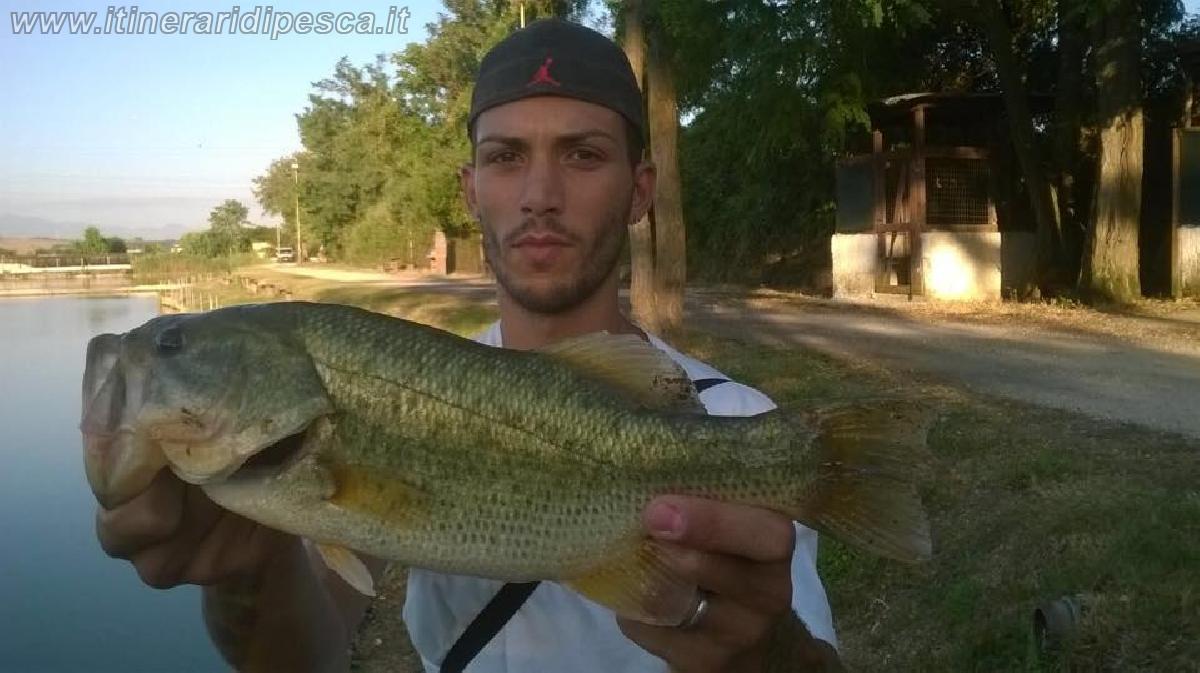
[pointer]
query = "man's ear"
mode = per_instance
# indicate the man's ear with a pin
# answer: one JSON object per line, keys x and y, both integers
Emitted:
{"x": 466, "y": 179}
{"x": 645, "y": 177}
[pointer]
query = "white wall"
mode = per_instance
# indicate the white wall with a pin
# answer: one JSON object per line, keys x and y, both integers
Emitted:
{"x": 961, "y": 266}
{"x": 854, "y": 264}
{"x": 956, "y": 266}
{"x": 1189, "y": 261}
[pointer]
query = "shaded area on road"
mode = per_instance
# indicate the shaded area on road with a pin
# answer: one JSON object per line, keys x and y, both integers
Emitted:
{"x": 1069, "y": 368}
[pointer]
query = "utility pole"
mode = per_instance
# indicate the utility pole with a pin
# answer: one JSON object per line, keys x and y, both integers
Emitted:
{"x": 296, "y": 182}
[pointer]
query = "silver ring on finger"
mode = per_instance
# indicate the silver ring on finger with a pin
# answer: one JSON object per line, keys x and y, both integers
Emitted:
{"x": 697, "y": 614}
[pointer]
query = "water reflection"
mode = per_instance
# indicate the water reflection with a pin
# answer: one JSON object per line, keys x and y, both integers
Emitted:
{"x": 64, "y": 605}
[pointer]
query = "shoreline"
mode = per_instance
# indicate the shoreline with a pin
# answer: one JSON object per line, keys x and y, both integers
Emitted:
{"x": 114, "y": 291}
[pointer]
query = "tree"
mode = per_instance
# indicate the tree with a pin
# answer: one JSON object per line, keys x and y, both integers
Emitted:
{"x": 201, "y": 244}
{"x": 1110, "y": 264}
{"x": 93, "y": 242}
{"x": 1014, "y": 88}
{"x": 277, "y": 191}
{"x": 641, "y": 235}
{"x": 658, "y": 242}
{"x": 227, "y": 227}
{"x": 670, "y": 239}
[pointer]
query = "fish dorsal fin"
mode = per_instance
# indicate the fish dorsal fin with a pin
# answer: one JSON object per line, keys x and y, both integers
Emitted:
{"x": 632, "y": 366}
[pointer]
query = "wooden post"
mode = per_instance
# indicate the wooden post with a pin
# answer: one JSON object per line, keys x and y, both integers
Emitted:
{"x": 917, "y": 194}
{"x": 1176, "y": 183}
{"x": 879, "y": 180}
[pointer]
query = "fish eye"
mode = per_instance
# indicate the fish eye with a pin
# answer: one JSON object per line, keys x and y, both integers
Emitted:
{"x": 169, "y": 341}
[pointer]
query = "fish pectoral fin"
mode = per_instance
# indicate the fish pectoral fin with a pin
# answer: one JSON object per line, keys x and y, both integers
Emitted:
{"x": 631, "y": 366}
{"x": 349, "y": 567}
{"x": 639, "y": 583}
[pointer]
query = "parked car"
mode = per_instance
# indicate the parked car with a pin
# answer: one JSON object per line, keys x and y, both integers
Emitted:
{"x": 285, "y": 255}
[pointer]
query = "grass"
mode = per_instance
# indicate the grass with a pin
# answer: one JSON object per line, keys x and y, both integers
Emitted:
{"x": 461, "y": 315}
{"x": 1027, "y": 505}
{"x": 166, "y": 267}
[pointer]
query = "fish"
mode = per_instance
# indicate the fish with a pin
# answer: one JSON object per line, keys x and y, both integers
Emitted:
{"x": 369, "y": 434}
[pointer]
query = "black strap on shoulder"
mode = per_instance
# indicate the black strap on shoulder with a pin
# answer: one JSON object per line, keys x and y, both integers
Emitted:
{"x": 702, "y": 385}
{"x": 487, "y": 624}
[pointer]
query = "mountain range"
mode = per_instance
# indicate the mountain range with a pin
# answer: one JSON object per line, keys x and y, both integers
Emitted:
{"x": 14, "y": 225}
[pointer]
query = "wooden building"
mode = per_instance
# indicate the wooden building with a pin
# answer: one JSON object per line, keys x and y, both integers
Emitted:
{"x": 934, "y": 209}
{"x": 1185, "y": 169}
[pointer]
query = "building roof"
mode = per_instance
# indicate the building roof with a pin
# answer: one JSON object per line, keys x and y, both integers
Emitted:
{"x": 948, "y": 106}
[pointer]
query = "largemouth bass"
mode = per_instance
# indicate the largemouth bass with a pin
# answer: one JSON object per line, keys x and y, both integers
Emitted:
{"x": 369, "y": 433}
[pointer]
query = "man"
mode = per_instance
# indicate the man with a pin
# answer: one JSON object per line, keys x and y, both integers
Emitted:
{"x": 556, "y": 177}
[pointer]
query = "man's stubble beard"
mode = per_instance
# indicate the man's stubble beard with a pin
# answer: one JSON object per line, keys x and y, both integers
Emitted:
{"x": 599, "y": 260}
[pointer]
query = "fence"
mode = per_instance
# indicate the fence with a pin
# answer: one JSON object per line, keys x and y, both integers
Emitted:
{"x": 188, "y": 294}
{"x": 59, "y": 261}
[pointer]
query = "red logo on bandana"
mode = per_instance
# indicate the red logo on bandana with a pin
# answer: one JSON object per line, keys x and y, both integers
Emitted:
{"x": 542, "y": 76}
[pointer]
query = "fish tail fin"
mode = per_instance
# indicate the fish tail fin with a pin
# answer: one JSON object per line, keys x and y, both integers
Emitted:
{"x": 870, "y": 458}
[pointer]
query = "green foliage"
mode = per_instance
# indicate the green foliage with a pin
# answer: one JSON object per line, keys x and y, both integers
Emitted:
{"x": 772, "y": 94}
{"x": 93, "y": 242}
{"x": 260, "y": 234}
{"x": 227, "y": 233}
{"x": 161, "y": 266}
{"x": 383, "y": 142}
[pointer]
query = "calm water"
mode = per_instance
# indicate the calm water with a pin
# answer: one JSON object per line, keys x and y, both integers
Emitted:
{"x": 64, "y": 605}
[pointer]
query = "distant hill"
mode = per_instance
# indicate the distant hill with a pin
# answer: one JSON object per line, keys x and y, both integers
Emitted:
{"x": 24, "y": 226}
{"x": 27, "y": 246}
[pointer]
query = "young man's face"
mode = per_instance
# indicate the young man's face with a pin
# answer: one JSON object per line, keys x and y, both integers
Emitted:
{"x": 553, "y": 189}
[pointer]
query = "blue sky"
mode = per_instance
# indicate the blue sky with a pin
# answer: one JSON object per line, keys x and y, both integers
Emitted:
{"x": 149, "y": 132}
{"x": 146, "y": 131}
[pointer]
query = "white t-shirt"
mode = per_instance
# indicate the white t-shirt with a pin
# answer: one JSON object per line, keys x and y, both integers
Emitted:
{"x": 557, "y": 630}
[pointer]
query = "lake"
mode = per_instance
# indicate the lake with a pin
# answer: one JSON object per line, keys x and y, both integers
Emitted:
{"x": 64, "y": 605}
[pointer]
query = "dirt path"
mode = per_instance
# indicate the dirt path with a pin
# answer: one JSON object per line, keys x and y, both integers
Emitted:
{"x": 1136, "y": 369}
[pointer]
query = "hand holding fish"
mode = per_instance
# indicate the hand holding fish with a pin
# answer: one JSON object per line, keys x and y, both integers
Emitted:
{"x": 264, "y": 595}
{"x": 174, "y": 534}
{"x": 740, "y": 557}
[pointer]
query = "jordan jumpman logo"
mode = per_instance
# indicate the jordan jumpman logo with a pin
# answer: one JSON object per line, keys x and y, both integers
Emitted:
{"x": 542, "y": 76}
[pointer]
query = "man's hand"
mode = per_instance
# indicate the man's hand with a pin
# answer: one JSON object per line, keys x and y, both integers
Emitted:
{"x": 741, "y": 557}
{"x": 173, "y": 534}
{"x": 268, "y": 603}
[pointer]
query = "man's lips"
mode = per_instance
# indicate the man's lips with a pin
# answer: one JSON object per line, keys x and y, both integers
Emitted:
{"x": 540, "y": 241}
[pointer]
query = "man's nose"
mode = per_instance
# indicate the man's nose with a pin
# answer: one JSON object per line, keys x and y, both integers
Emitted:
{"x": 543, "y": 189}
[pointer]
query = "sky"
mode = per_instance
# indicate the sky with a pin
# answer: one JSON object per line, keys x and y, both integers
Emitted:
{"x": 150, "y": 132}
{"x": 146, "y": 134}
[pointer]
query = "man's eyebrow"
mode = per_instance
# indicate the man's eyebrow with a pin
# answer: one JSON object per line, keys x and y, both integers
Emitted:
{"x": 514, "y": 141}
{"x": 584, "y": 135}
{"x": 511, "y": 141}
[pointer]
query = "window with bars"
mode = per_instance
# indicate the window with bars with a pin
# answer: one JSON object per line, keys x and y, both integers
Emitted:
{"x": 956, "y": 192}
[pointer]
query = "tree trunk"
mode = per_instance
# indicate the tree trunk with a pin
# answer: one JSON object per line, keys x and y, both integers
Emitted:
{"x": 1020, "y": 119}
{"x": 1111, "y": 254}
{"x": 670, "y": 243}
{"x": 1068, "y": 114}
{"x": 641, "y": 234}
